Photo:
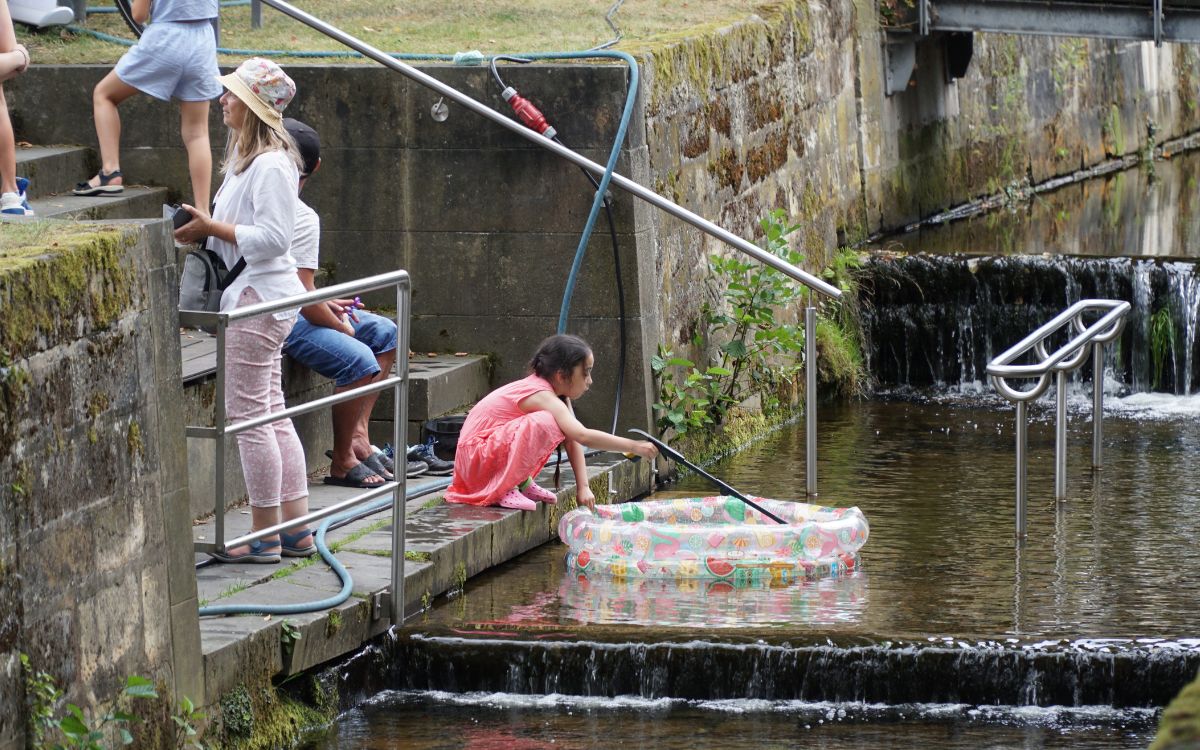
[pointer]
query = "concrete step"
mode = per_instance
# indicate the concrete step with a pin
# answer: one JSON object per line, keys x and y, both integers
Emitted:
{"x": 137, "y": 202}
{"x": 54, "y": 169}
{"x": 441, "y": 384}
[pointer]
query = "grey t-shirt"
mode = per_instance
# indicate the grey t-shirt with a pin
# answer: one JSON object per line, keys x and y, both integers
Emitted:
{"x": 183, "y": 10}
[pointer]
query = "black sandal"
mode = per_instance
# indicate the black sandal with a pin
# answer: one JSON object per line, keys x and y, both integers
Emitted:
{"x": 84, "y": 188}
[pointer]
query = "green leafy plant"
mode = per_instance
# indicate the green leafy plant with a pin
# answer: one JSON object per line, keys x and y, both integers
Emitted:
{"x": 757, "y": 351}
{"x": 42, "y": 694}
{"x": 1162, "y": 334}
{"x": 78, "y": 731}
{"x": 288, "y": 635}
{"x": 186, "y": 717}
{"x": 755, "y": 338}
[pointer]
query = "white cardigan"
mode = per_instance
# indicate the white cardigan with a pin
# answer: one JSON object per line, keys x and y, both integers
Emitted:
{"x": 261, "y": 203}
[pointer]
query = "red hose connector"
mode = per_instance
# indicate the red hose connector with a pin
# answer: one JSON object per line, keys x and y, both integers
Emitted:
{"x": 527, "y": 113}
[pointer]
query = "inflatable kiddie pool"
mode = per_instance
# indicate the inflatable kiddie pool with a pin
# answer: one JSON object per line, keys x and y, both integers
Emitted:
{"x": 717, "y": 537}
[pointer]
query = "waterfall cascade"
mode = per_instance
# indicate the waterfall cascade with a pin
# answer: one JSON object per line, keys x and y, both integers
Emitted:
{"x": 937, "y": 320}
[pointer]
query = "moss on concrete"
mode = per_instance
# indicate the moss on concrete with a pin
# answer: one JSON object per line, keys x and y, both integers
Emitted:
{"x": 53, "y": 273}
{"x": 702, "y": 57}
{"x": 259, "y": 717}
{"x": 1179, "y": 727}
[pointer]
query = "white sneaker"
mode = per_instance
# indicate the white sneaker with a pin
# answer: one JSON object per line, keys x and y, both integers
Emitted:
{"x": 12, "y": 204}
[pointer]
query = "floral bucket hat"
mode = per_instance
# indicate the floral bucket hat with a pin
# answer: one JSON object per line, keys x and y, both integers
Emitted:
{"x": 263, "y": 87}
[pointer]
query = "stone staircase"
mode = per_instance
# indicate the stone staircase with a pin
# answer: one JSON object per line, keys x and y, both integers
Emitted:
{"x": 53, "y": 172}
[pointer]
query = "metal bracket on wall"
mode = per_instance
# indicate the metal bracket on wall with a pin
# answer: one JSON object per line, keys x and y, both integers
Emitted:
{"x": 899, "y": 59}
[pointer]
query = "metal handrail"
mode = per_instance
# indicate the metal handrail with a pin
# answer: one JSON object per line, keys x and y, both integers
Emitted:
{"x": 1063, "y": 360}
{"x": 814, "y": 284}
{"x": 629, "y": 185}
{"x": 400, "y": 281}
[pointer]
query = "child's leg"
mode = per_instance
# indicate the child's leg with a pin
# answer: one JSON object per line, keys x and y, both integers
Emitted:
{"x": 8, "y": 147}
{"x": 108, "y": 94}
{"x": 8, "y": 35}
{"x": 194, "y": 129}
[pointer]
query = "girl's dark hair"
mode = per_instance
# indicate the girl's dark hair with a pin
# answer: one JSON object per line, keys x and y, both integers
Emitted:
{"x": 560, "y": 353}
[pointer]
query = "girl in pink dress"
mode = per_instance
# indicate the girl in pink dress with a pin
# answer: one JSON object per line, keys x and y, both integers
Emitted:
{"x": 510, "y": 434}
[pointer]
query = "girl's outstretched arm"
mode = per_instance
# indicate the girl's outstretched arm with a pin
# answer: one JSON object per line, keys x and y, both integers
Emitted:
{"x": 576, "y": 432}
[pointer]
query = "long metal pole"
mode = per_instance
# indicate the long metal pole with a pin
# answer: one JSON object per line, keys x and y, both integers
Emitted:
{"x": 625, "y": 183}
{"x": 1097, "y": 405}
{"x": 400, "y": 453}
{"x": 1022, "y": 425}
{"x": 221, "y": 437}
{"x": 1060, "y": 438}
{"x": 810, "y": 399}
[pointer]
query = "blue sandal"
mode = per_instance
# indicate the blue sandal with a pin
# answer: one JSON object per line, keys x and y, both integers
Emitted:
{"x": 103, "y": 188}
{"x": 261, "y": 552}
{"x": 291, "y": 544}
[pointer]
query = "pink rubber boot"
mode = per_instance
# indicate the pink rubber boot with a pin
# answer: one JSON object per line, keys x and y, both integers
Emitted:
{"x": 517, "y": 501}
{"x": 533, "y": 492}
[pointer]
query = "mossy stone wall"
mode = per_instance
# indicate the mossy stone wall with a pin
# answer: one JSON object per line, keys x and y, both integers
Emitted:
{"x": 95, "y": 541}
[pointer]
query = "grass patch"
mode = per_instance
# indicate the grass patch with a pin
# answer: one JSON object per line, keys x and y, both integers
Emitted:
{"x": 18, "y": 236}
{"x": 420, "y": 27}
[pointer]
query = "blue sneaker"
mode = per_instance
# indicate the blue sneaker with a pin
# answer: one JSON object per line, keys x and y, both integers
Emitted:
{"x": 424, "y": 452}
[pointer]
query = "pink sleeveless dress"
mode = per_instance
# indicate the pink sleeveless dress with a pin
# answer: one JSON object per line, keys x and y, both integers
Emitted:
{"x": 501, "y": 446}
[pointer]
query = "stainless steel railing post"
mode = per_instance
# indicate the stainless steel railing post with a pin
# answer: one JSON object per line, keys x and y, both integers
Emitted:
{"x": 810, "y": 398}
{"x": 1022, "y": 425}
{"x": 1097, "y": 405}
{"x": 1060, "y": 437}
{"x": 219, "y": 424}
{"x": 256, "y": 14}
{"x": 400, "y": 454}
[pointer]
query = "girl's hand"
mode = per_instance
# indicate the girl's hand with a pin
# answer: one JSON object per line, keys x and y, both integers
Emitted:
{"x": 584, "y": 497}
{"x": 645, "y": 449}
{"x": 196, "y": 229}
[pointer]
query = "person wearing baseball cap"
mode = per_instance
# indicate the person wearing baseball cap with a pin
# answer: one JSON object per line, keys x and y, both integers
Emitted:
{"x": 253, "y": 220}
{"x": 343, "y": 342}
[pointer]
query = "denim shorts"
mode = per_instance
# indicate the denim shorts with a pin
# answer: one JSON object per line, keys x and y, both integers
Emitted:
{"x": 174, "y": 59}
{"x": 335, "y": 355}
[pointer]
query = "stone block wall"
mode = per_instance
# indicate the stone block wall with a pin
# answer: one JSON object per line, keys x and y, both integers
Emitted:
{"x": 486, "y": 223}
{"x": 95, "y": 539}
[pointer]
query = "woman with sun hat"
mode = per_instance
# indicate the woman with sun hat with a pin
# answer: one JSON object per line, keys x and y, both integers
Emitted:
{"x": 253, "y": 219}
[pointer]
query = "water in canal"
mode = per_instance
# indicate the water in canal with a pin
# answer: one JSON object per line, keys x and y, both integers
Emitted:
{"x": 950, "y": 634}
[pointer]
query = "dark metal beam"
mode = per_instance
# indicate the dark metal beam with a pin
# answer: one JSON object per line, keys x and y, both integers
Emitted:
{"x": 1172, "y": 24}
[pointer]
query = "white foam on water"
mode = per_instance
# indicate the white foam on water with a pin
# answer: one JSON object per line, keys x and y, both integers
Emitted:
{"x": 823, "y": 711}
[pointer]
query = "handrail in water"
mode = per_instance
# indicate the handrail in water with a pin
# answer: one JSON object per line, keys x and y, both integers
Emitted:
{"x": 1065, "y": 359}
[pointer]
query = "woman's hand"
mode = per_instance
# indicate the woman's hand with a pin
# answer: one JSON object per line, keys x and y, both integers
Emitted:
{"x": 584, "y": 497}
{"x": 196, "y": 229}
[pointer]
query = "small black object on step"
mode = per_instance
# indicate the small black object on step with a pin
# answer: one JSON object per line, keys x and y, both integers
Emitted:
{"x": 445, "y": 430}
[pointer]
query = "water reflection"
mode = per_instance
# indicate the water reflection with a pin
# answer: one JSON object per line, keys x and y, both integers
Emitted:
{"x": 716, "y": 604}
{"x": 1135, "y": 212}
